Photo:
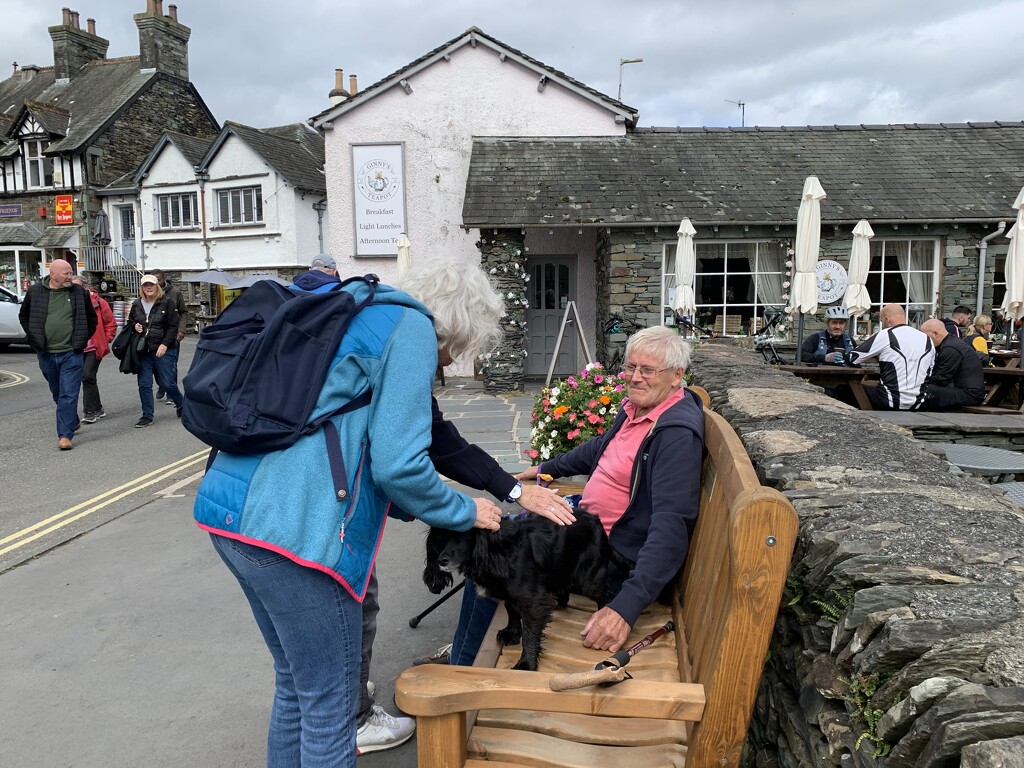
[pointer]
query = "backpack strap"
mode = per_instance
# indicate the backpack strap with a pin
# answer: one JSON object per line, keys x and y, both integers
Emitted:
{"x": 339, "y": 475}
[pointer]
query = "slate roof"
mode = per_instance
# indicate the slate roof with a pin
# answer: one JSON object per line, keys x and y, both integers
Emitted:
{"x": 469, "y": 37}
{"x": 721, "y": 176}
{"x": 55, "y": 120}
{"x": 194, "y": 148}
{"x": 295, "y": 151}
{"x": 55, "y": 237}
{"x": 19, "y": 233}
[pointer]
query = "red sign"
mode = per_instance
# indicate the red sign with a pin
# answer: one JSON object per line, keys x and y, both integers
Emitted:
{"x": 65, "y": 213}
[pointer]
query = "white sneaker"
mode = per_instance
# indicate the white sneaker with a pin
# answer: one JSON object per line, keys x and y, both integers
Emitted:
{"x": 382, "y": 731}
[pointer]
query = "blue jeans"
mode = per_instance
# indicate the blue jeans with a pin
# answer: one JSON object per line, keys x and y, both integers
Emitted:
{"x": 166, "y": 379}
{"x": 474, "y": 619}
{"x": 63, "y": 372}
{"x": 312, "y": 627}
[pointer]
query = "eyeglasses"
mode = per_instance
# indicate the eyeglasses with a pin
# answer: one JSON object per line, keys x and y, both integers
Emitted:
{"x": 645, "y": 370}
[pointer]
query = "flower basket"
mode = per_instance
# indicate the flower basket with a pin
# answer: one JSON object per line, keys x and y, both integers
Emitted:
{"x": 573, "y": 410}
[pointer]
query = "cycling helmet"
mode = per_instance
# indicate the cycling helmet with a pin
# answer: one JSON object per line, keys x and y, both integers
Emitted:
{"x": 837, "y": 313}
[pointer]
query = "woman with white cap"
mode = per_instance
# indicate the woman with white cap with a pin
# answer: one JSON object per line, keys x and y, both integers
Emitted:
{"x": 156, "y": 318}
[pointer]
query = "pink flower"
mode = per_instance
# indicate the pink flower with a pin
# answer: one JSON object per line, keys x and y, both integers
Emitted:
{"x": 598, "y": 378}
{"x": 532, "y": 453}
{"x": 573, "y": 434}
{"x": 572, "y": 417}
{"x": 572, "y": 382}
{"x": 593, "y": 403}
{"x": 593, "y": 418}
{"x": 618, "y": 387}
{"x": 583, "y": 373}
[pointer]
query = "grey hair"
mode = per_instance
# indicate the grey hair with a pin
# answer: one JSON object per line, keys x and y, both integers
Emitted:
{"x": 467, "y": 309}
{"x": 662, "y": 343}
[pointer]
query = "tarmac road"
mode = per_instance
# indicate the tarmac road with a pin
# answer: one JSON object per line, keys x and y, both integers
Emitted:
{"x": 125, "y": 640}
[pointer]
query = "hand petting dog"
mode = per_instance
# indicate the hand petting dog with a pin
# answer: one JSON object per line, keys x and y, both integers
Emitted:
{"x": 488, "y": 515}
{"x": 544, "y": 501}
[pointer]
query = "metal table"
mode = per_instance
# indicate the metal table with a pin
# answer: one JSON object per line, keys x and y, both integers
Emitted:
{"x": 982, "y": 459}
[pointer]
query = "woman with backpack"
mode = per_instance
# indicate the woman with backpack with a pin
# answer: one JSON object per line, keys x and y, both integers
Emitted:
{"x": 95, "y": 351}
{"x": 155, "y": 317}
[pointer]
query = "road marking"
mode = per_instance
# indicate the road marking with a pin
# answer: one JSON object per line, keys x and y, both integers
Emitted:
{"x": 99, "y": 502}
{"x": 170, "y": 491}
{"x": 17, "y": 378}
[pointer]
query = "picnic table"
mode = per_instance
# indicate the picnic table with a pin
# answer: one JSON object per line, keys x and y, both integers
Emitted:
{"x": 1001, "y": 382}
{"x": 1007, "y": 358}
{"x": 837, "y": 375}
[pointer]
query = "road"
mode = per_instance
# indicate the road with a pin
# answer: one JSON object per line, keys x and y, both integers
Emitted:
{"x": 125, "y": 640}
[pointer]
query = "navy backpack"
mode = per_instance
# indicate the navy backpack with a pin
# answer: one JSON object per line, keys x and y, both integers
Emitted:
{"x": 259, "y": 368}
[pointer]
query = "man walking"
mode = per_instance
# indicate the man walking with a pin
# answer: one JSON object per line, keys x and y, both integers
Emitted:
{"x": 178, "y": 301}
{"x": 59, "y": 319}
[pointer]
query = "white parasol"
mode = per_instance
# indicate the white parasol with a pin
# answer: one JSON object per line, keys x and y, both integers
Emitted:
{"x": 1013, "y": 301}
{"x": 808, "y": 240}
{"x": 684, "y": 301}
{"x": 857, "y": 300}
{"x": 404, "y": 254}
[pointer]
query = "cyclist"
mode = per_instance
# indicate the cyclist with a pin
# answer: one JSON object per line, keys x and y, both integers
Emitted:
{"x": 831, "y": 345}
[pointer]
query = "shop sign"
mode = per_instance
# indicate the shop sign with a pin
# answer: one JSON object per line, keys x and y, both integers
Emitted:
{"x": 65, "y": 213}
{"x": 379, "y": 197}
{"x": 10, "y": 209}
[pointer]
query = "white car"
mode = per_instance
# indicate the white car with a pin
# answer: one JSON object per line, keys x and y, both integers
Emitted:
{"x": 11, "y": 331}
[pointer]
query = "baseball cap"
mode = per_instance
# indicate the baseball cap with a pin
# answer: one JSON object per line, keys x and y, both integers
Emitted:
{"x": 323, "y": 261}
{"x": 149, "y": 279}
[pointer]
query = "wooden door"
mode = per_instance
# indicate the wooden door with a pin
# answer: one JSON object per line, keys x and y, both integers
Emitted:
{"x": 552, "y": 286}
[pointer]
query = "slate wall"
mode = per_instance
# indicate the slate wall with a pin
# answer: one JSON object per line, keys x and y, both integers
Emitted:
{"x": 899, "y": 640}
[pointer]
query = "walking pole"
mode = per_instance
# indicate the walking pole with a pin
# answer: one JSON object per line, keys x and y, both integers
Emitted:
{"x": 609, "y": 671}
{"x": 415, "y": 620}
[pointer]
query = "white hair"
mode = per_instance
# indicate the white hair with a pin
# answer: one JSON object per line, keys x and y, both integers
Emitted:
{"x": 662, "y": 343}
{"x": 467, "y": 309}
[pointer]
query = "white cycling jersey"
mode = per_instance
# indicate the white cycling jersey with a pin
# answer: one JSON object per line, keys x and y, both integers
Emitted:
{"x": 905, "y": 358}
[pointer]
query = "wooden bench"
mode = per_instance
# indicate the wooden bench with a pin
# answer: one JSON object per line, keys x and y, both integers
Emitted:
{"x": 693, "y": 690}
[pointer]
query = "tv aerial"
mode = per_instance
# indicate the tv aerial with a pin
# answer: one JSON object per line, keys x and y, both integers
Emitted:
{"x": 743, "y": 111}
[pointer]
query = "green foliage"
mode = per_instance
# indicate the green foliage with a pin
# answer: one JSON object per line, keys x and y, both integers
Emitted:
{"x": 861, "y": 690}
{"x": 833, "y": 603}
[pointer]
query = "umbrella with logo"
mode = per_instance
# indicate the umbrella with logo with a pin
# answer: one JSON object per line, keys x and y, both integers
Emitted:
{"x": 857, "y": 299}
{"x": 404, "y": 254}
{"x": 1013, "y": 302}
{"x": 804, "y": 297}
{"x": 212, "y": 276}
{"x": 250, "y": 280}
{"x": 684, "y": 302}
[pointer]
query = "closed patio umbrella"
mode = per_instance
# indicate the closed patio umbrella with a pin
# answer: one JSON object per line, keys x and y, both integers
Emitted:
{"x": 1013, "y": 301}
{"x": 857, "y": 300}
{"x": 101, "y": 229}
{"x": 808, "y": 240}
{"x": 684, "y": 302}
{"x": 404, "y": 254}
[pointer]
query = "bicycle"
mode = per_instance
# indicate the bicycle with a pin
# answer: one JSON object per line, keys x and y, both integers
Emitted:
{"x": 617, "y": 324}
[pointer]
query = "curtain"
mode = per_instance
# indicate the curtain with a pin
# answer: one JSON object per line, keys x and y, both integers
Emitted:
{"x": 769, "y": 278}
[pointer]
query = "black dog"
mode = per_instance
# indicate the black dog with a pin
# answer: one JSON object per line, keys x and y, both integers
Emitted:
{"x": 531, "y": 563}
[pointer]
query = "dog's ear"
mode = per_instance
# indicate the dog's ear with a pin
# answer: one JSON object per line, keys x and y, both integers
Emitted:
{"x": 491, "y": 554}
{"x": 436, "y": 580}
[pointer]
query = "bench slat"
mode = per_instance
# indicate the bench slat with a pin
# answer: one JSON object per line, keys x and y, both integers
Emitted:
{"x": 589, "y": 729}
{"x": 539, "y": 751}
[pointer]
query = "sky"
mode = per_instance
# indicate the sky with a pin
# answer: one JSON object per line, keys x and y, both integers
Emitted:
{"x": 791, "y": 62}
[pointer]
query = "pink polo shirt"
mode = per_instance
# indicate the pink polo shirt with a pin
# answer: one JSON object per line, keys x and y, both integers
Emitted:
{"x": 606, "y": 493}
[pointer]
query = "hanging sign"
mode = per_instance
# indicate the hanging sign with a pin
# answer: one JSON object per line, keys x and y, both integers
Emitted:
{"x": 378, "y": 196}
{"x": 64, "y": 210}
{"x": 831, "y": 279}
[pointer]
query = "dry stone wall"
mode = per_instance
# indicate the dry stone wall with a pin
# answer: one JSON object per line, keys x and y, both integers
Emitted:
{"x": 900, "y": 642}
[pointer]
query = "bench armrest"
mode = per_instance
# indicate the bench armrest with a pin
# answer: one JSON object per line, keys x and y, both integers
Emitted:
{"x": 433, "y": 690}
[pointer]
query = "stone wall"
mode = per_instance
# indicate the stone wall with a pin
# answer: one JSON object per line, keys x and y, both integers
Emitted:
{"x": 503, "y": 257}
{"x": 899, "y": 640}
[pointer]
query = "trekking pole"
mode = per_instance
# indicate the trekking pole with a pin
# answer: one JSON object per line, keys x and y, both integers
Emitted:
{"x": 609, "y": 671}
{"x": 415, "y": 620}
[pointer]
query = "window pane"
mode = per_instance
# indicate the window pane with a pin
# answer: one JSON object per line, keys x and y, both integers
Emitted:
{"x": 225, "y": 208}
{"x": 258, "y": 197}
{"x": 247, "y": 206}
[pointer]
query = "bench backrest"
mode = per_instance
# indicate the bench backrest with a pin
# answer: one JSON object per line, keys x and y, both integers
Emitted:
{"x": 730, "y": 591}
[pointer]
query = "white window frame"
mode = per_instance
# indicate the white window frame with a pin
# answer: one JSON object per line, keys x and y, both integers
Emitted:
{"x": 187, "y": 215}
{"x": 243, "y": 206}
{"x": 37, "y": 164}
{"x": 706, "y": 312}
{"x": 888, "y": 248}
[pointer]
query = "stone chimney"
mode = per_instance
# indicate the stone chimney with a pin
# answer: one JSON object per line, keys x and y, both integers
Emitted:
{"x": 163, "y": 41}
{"x": 338, "y": 94}
{"x": 73, "y": 47}
{"x": 352, "y": 87}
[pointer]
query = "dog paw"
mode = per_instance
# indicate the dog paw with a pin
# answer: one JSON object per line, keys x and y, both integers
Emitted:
{"x": 526, "y": 664}
{"x": 509, "y": 636}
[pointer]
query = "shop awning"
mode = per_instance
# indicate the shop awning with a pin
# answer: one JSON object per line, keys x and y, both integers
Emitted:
{"x": 18, "y": 233}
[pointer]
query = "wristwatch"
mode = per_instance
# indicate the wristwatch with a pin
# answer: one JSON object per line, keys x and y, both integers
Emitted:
{"x": 514, "y": 494}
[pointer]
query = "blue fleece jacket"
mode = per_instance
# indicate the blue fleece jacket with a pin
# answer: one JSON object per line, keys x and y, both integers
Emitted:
{"x": 284, "y": 500}
{"x": 664, "y": 497}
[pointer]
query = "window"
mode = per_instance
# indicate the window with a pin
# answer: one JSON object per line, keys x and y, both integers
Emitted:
{"x": 733, "y": 283}
{"x": 178, "y": 211}
{"x": 40, "y": 167}
{"x": 240, "y": 206}
{"x": 904, "y": 272}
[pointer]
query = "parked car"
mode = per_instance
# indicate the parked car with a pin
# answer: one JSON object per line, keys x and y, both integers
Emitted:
{"x": 11, "y": 331}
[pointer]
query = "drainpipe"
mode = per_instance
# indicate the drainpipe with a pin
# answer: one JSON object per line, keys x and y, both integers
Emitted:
{"x": 320, "y": 206}
{"x": 202, "y": 177}
{"x": 981, "y": 265}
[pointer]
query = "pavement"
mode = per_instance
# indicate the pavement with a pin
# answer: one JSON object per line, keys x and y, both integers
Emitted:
{"x": 132, "y": 644}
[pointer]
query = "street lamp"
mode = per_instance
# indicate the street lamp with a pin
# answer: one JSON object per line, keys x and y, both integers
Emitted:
{"x": 622, "y": 63}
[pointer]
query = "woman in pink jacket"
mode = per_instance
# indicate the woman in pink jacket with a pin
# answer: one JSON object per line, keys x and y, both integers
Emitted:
{"x": 95, "y": 350}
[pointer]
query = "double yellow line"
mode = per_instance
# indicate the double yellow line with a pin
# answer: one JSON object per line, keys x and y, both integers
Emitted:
{"x": 15, "y": 379}
{"x": 77, "y": 512}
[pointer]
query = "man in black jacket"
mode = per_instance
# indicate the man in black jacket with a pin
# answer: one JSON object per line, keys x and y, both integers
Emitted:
{"x": 957, "y": 378}
{"x": 58, "y": 319}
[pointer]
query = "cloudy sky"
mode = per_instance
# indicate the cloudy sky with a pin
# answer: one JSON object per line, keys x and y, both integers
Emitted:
{"x": 792, "y": 62}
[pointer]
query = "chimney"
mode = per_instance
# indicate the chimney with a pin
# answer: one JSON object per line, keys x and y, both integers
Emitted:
{"x": 172, "y": 11}
{"x": 339, "y": 94}
{"x": 91, "y": 24}
{"x": 163, "y": 41}
{"x": 73, "y": 47}
{"x": 352, "y": 89}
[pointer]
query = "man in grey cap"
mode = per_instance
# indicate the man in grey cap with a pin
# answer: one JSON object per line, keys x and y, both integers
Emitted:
{"x": 324, "y": 263}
